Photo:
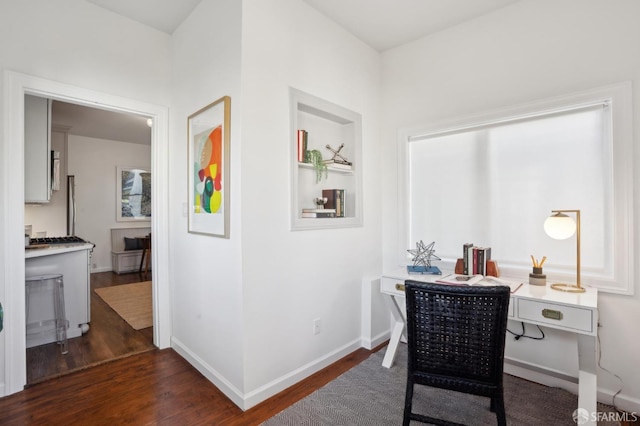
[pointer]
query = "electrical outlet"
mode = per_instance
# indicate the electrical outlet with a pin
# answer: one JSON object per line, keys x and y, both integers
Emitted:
{"x": 316, "y": 326}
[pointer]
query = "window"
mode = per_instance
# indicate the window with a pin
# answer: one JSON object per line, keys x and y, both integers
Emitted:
{"x": 493, "y": 181}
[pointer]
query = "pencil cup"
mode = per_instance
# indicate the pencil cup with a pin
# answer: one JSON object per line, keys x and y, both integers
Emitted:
{"x": 537, "y": 277}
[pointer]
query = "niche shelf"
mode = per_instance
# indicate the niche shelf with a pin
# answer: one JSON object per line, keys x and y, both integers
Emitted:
{"x": 330, "y": 124}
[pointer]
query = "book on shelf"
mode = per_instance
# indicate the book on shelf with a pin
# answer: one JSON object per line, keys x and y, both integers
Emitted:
{"x": 423, "y": 270}
{"x": 335, "y": 200}
{"x": 318, "y": 214}
{"x": 479, "y": 280}
{"x": 302, "y": 138}
{"x": 318, "y": 210}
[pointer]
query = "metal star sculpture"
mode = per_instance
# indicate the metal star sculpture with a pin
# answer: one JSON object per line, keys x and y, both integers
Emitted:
{"x": 423, "y": 254}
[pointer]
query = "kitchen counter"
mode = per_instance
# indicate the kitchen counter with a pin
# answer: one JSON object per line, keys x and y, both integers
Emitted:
{"x": 49, "y": 249}
{"x": 73, "y": 262}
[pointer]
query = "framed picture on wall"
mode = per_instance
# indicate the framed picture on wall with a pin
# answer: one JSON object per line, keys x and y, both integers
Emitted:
{"x": 208, "y": 169}
{"x": 133, "y": 198}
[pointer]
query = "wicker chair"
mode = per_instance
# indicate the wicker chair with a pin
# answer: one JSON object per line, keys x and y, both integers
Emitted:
{"x": 456, "y": 338}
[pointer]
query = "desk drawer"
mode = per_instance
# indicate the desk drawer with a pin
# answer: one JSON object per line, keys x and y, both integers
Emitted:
{"x": 512, "y": 308}
{"x": 393, "y": 286}
{"x": 558, "y": 316}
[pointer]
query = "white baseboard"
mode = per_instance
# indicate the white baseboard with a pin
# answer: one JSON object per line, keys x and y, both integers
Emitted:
{"x": 369, "y": 344}
{"x": 278, "y": 385}
{"x": 233, "y": 393}
{"x": 552, "y": 378}
{"x": 254, "y": 397}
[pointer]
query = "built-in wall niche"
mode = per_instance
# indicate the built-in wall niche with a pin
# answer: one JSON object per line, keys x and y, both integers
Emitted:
{"x": 335, "y": 133}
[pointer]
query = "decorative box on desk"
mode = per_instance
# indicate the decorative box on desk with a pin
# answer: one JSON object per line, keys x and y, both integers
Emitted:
{"x": 572, "y": 312}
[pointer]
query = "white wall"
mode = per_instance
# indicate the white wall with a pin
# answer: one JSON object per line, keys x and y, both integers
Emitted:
{"x": 255, "y": 294}
{"x": 93, "y": 162}
{"x": 77, "y": 43}
{"x": 292, "y": 277}
{"x": 206, "y": 271}
{"x": 531, "y": 50}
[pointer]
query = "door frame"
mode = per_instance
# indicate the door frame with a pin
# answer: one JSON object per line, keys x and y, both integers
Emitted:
{"x": 16, "y": 85}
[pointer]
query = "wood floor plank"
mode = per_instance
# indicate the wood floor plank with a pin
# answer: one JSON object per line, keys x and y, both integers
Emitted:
{"x": 156, "y": 387}
{"x": 108, "y": 338}
{"x": 114, "y": 375}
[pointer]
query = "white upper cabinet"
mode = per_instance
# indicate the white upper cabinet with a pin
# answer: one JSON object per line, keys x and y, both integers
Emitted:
{"x": 37, "y": 149}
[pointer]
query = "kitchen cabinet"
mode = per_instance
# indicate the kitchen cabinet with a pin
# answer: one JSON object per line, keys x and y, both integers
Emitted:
{"x": 37, "y": 149}
{"x": 73, "y": 262}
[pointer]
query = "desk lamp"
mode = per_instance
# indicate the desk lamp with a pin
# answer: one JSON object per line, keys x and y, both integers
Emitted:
{"x": 560, "y": 226}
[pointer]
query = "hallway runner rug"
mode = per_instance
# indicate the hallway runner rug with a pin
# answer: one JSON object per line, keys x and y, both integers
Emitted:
{"x": 131, "y": 301}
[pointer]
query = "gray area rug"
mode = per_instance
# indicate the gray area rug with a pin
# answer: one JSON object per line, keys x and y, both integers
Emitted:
{"x": 370, "y": 394}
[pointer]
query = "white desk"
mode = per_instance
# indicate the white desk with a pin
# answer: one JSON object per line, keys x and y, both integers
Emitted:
{"x": 573, "y": 312}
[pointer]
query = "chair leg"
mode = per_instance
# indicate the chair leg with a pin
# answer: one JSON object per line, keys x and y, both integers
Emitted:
{"x": 497, "y": 403}
{"x": 408, "y": 400}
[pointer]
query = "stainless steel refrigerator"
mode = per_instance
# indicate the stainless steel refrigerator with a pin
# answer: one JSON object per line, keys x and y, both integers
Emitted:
{"x": 71, "y": 205}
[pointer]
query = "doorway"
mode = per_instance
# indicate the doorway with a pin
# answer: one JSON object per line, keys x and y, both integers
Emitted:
{"x": 91, "y": 144}
{"x": 17, "y": 85}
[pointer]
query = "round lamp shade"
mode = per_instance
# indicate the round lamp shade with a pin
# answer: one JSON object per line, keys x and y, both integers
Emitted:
{"x": 559, "y": 226}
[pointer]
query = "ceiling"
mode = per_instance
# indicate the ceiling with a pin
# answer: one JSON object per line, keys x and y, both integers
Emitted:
{"x": 385, "y": 24}
{"x": 100, "y": 124}
{"x": 163, "y": 15}
{"x": 382, "y": 24}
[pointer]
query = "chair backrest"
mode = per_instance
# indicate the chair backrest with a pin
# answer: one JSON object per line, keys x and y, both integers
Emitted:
{"x": 457, "y": 331}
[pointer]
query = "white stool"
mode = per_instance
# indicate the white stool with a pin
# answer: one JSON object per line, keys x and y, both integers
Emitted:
{"x": 54, "y": 284}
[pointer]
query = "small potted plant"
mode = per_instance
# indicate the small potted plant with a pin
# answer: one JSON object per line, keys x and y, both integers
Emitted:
{"x": 314, "y": 157}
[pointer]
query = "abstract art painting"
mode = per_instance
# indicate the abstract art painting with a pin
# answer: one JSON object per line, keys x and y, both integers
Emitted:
{"x": 208, "y": 168}
{"x": 133, "y": 199}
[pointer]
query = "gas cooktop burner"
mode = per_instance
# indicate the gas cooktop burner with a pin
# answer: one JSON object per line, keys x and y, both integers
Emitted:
{"x": 57, "y": 240}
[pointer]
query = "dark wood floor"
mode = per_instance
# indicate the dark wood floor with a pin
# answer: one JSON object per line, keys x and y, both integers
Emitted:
{"x": 108, "y": 338}
{"x": 156, "y": 387}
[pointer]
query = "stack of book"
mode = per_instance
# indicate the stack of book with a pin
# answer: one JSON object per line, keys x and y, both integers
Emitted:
{"x": 336, "y": 164}
{"x": 303, "y": 136}
{"x": 474, "y": 259}
{"x": 335, "y": 200}
{"x": 319, "y": 212}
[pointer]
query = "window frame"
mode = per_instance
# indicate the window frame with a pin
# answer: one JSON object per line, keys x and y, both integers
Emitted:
{"x": 619, "y": 98}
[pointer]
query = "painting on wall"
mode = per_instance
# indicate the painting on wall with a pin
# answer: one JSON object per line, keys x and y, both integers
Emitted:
{"x": 208, "y": 168}
{"x": 133, "y": 200}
